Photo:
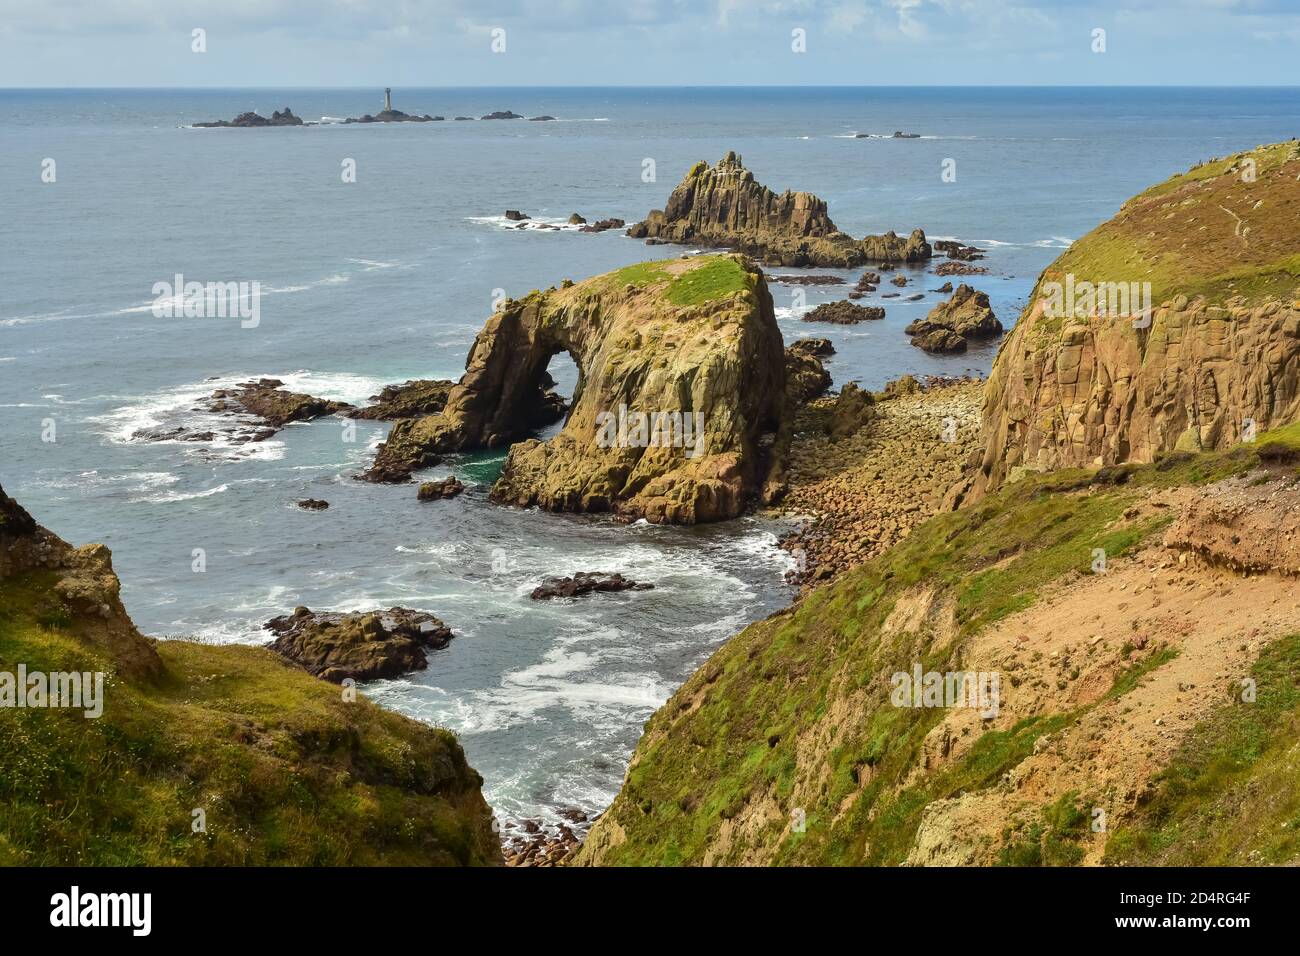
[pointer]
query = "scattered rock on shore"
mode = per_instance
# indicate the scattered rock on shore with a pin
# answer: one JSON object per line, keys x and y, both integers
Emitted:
{"x": 868, "y": 490}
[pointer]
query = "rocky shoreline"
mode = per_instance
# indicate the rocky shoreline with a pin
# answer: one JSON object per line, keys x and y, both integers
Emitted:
{"x": 864, "y": 492}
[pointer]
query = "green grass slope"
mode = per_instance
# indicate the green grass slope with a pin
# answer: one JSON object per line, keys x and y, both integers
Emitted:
{"x": 731, "y": 737}
{"x": 284, "y": 768}
{"x": 1225, "y": 228}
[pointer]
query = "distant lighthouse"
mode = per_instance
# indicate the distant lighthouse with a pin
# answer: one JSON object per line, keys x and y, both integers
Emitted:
{"x": 388, "y": 99}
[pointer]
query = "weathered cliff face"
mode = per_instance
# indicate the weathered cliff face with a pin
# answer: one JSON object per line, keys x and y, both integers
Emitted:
{"x": 82, "y": 588}
{"x": 723, "y": 205}
{"x": 1084, "y": 382}
{"x": 285, "y": 768}
{"x": 679, "y": 411}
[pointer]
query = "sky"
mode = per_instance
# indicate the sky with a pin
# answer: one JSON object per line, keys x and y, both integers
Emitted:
{"x": 357, "y": 43}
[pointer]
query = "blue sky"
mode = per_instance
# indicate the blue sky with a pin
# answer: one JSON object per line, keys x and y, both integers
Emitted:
{"x": 651, "y": 42}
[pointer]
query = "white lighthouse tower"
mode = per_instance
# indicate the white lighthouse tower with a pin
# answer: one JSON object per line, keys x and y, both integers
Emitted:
{"x": 388, "y": 99}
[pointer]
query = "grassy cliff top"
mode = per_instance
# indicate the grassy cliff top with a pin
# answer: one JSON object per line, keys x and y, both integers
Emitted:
{"x": 696, "y": 280}
{"x": 285, "y": 770}
{"x": 1225, "y": 228}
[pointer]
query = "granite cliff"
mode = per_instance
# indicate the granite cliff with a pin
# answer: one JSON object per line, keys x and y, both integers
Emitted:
{"x": 1175, "y": 325}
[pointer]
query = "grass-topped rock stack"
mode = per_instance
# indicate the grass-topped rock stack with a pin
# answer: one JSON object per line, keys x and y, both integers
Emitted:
{"x": 286, "y": 768}
{"x": 692, "y": 338}
{"x": 724, "y": 206}
{"x": 1220, "y": 246}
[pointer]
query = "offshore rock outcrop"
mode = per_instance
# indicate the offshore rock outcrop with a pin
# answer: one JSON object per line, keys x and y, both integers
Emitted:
{"x": 251, "y": 119}
{"x": 1211, "y": 358}
{"x": 408, "y": 400}
{"x": 724, "y": 206}
{"x": 679, "y": 411}
{"x": 359, "y": 645}
{"x": 951, "y": 326}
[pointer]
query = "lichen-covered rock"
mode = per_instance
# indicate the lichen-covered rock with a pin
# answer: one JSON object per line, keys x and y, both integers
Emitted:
{"x": 679, "y": 411}
{"x": 1216, "y": 354}
{"x": 805, "y": 376}
{"x": 358, "y": 645}
{"x": 724, "y": 205}
{"x": 952, "y": 325}
{"x": 817, "y": 347}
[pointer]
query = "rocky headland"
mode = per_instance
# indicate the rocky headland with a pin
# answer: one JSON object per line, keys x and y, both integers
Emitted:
{"x": 1209, "y": 359}
{"x": 724, "y": 206}
{"x": 1122, "y": 562}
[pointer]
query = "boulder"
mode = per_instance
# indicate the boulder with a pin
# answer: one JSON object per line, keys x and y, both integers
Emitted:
{"x": 853, "y": 408}
{"x": 514, "y": 215}
{"x": 805, "y": 376}
{"x": 359, "y": 645}
{"x": 818, "y": 347}
{"x": 436, "y": 490}
{"x": 313, "y": 504}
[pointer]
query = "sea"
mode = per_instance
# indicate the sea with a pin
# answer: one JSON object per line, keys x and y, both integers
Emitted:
{"x": 379, "y": 251}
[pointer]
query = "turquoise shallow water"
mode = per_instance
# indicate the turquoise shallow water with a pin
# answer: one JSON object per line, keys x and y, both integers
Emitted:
{"x": 389, "y": 278}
